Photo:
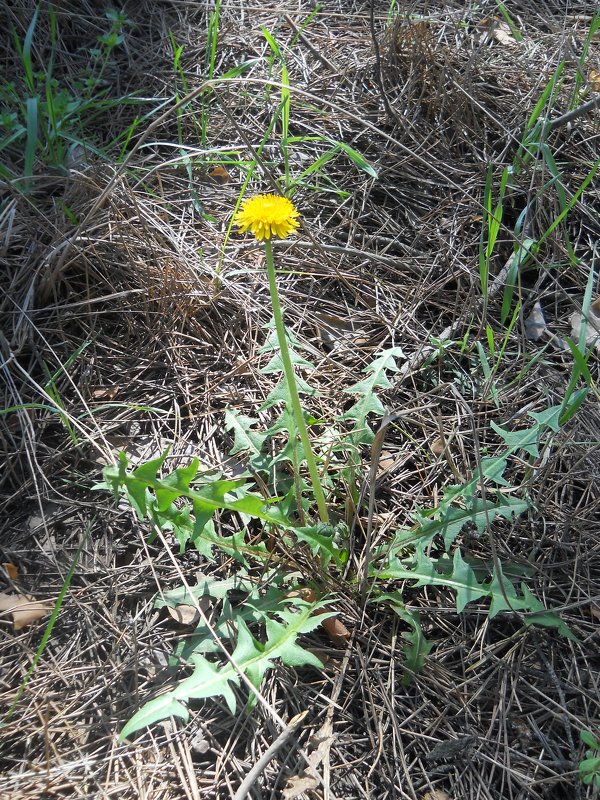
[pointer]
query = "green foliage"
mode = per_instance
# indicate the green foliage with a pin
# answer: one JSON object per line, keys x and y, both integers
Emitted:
{"x": 416, "y": 647}
{"x": 256, "y": 625}
{"x": 533, "y": 152}
{"x": 315, "y": 169}
{"x": 283, "y": 621}
{"x": 589, "y": 767}
{"x": 405, "y": 558}
{"x": 160, "y": 501}
{"x": 44, "y": 118}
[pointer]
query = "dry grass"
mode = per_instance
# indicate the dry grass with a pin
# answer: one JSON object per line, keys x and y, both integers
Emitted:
{"x": 171, "y": 322}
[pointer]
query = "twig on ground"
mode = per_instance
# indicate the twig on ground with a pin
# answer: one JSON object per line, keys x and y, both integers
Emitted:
{"x": 262, "y": 762}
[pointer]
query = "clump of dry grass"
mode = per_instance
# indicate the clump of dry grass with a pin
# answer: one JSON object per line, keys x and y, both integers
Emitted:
{"x": 166, "y": 323}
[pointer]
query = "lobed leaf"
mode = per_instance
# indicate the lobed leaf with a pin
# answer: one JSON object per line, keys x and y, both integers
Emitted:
{"x": 450, "y": 519}
{"x": 251, "y": 658}
{"x": 245, "y": 439}
{"x": 417, "y": 648}
{"x": 462, "y": 580}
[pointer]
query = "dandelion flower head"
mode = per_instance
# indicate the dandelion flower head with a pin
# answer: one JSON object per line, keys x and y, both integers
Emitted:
{"x": 268, "y": 215}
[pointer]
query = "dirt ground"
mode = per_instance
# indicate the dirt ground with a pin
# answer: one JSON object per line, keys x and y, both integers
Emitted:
{"x": 131, "y": 319}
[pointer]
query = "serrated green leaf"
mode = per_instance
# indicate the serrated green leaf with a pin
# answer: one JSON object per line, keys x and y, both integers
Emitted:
{"x": 320, "y": 543}
{"x": 549, "y": 417}
{"x": 165, "y": 496}
{"x": 208, "y": 498}
{"x": 281, "y": 636}
{"x": 526, "y": 439}
{"x": 498, "y": 587}
{"x": 216, "y": 495}
{"x": 417, "y": 648}
{"x": 550, "y": 619}
{"x": 156, "y": 710}
{"x": 479, "y": 513}
{"x": 386, "y": 361}
{"x": 376, "y": 373}
{"x": 281, "y": 393}
{"x": 252, "y": 658}
{"x": 466, "y": 586}
{"x": 272, "y": 342}
{"x": 250, "y": 651}
{"x": 199, "y": 534}
{"x": 285, "y": 423}
{"x": 150, "y": 469}
{"x": 367, "y": 385}
{"x": 292, "y": 450}
{"x": 422, "y": 570}
{"x": 276, "y": 364}
{"x": 493, "y": 469}
{"x": 182, "y": 476}
{"x": 208, "y": 680}
{"x": 245, "y": 439}
{"x": 117, "y": 478}
{"x": 462, "y": 579}
{"x": 368, "y": 404}
{"x": 140, "y": 498}
{"x": 207, "y": 586}
{"x": 524, "y": 602}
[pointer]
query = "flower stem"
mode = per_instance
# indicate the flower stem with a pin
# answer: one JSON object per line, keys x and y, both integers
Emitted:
{"x": 288, "y": 371}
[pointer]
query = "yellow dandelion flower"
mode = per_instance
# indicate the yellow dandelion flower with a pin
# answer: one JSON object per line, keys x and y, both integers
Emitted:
{"x": 268, "y": 215}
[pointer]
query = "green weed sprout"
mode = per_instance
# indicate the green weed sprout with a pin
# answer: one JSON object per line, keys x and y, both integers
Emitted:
{"x": 589, "y": 768}
{"x": 268, "y": 216}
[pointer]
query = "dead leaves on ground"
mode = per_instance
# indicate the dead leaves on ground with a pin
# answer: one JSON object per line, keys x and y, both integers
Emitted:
{"x": 536, "y": 327}
{"x": 334, "y": 627}
{"x": 592, "y": 327}
{"x": 496, "y": 30}
{"x": 24, "y": 609}
{"x": 308, "y": 780}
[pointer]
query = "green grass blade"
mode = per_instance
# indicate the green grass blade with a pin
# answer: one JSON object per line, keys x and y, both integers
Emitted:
{"x": 272, "y": 43}
{"x": 213, "y": 38}
{"x": 582, "y": 60}
{"x": 358, "y": 159}
{"x": 49, "y": 627}
{"x": 543, "y": 100}
{"x": 516, "y": 33}
{"x": 26, "y": 53}
{"x": 585, "y": 183}
{"x": 31, "y": 142}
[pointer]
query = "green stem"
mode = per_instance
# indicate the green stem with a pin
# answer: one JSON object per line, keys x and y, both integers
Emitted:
{"x": 288, "y": 371}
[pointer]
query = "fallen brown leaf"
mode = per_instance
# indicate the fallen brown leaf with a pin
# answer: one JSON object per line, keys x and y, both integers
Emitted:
{"x": 320, "y": 745}
{"x": 105, "y": 392}
{"x": 11, "y": 570}
{"x": 535, "y": 324}
{"x": 219, "y": 175}
{"x": 438, "y": 446}
{"x": 494, "y": 28}
{"x": 184, "y": 615}
{"x": 304, "y": 593}
{"x": 24, "y": 609}
{"x": 592, "y": 330}
{"x": 387, "y": 461}
{"x": 594, "y": 80}
{"x": 336, "y": 630}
